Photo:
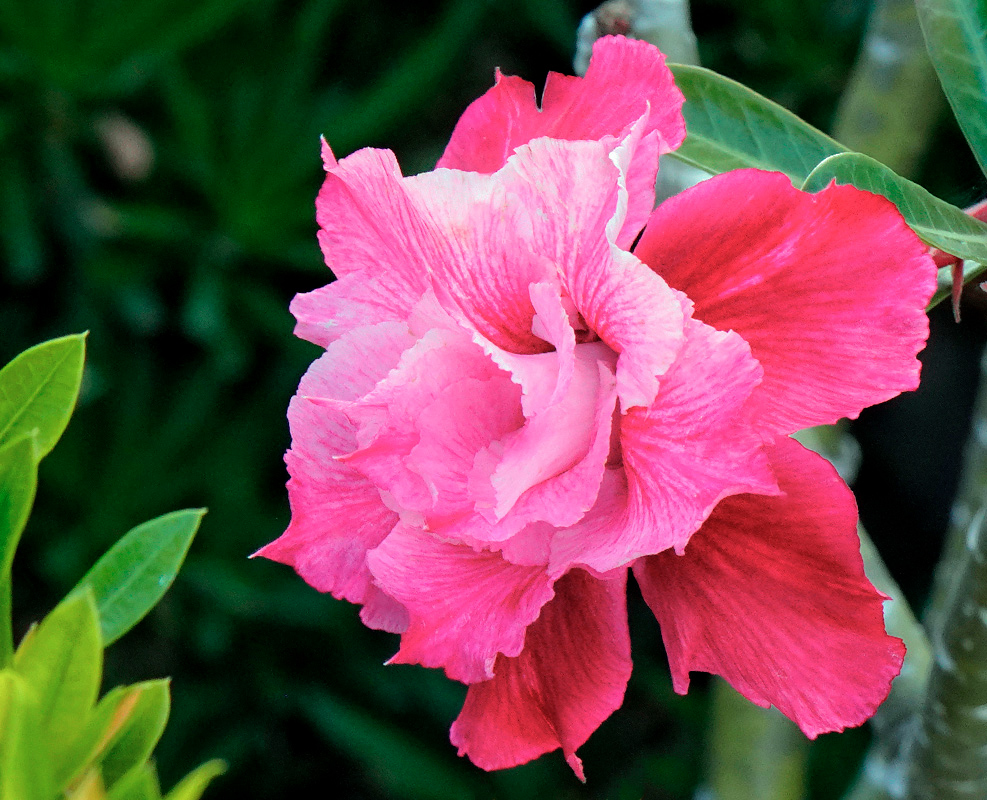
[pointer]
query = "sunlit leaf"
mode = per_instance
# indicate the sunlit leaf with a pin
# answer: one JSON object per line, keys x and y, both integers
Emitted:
{"x": 62, "y": 662}
{"x": 112, "y": 715}
{"x": 38, "y": 389}
{"x": 135, "y": 573}
{"x": 195, "y": 783}
{"x": 956, "y": 35}
{"x": 24, "y": 764}
{"x": 141, "y": 783}
{"x": 135, "y": 741}
{"x": 937, "y": 222}
{"x": 729, "y": 126}
{"x": 18, "y": 481}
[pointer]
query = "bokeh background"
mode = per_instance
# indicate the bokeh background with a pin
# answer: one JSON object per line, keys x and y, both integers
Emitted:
{"x": 158, "y": 165}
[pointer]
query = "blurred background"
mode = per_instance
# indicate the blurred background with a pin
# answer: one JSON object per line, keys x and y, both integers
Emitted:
{"x": 159, "y": 160}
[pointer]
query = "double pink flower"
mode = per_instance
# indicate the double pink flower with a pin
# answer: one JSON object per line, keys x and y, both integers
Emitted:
{"x": 517, "y": 404}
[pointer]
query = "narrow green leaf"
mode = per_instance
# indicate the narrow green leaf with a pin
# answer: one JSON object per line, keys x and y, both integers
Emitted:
{"x": 955, "y": 33}
{"x": 24, "y": 764}
{"x": 107, "y": 724}
{"x": 38, "y": 389}
{"x": 141, "y": 783}
{"x": 133, "y": 745}
{"x": 133, "y": 575}
{"x": 62, "y": 661}
{"x": 937, "y": 222}
{"x": 18, "y": 482}
{"x": 731, "y": 127}
{"x": 194, "y": 784}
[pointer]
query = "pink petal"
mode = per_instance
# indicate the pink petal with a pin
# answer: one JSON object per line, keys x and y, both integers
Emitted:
{"x": 829, "y": 289}
{"x": 465, "y": 607}
{"x": 393, "y": 418}
{"x": 336, "y": 514}
{"x": 694, "y": 446}
{"x": 569, "y": 678}
{"x": 771, "y": 594}
{"x": 577, "y": 205}
{"x": 626, "y": 79}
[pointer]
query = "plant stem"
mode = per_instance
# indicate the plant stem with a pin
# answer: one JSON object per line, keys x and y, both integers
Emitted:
{"x": 892, "y": 99}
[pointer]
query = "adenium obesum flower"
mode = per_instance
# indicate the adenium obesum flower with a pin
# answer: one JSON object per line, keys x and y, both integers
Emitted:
{"x": 515, "y": 409}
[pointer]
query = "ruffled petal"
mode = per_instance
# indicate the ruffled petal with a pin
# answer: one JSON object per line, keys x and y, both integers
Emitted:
{"x": 336, "y": 513}
{"x": 573, "y": 191}
{"x": 771, "y": 594}
{"x": 828, "y": 289}
{"x": 465, "y": 607}
{"x": 694, "y": 446}
{"x": 625, "y": 77}
{"x": 569, "y": 678}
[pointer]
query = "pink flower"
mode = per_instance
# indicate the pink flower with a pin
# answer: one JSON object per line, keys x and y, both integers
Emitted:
{"x": 513, "y": 409}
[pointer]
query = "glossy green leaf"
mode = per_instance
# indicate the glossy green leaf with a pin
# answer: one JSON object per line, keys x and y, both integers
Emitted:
{"x": 731, "y": 127}
{"x": 62, "y": 662}
{"x": 38, "y": 389}
{"x": 194, "y": 784}
{"x": 135, "y": 741}
{"x": 956, "y": 34}
{"x": 109, "y": 721}
{"x": 134, "y": 574}
{"x": 141, "y": 783}
{"x": 937, "y": 222}
{"x": 24, "y": 764}
{"x": 18, "y": 482}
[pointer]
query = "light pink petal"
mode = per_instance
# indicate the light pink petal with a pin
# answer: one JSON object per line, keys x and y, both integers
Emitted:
{"x": 452, "y": 430}
{"x": 376, "y": 241}
{"x": 336, "y": 514}
{"x": 694, "y": 446}
{"x": 771, "y": 594}
{"x": 828, "y": 289}
{"x": 569, "y": 678}
{"x": 625, "y": 78}
{"x": 557, "y": 438}
{"x": 465, "y": 607}
{"x": 577, "y": 206}
{"x": 390, "y": 417}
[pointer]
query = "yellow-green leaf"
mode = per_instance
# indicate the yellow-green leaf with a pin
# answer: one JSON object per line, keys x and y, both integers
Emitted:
{"x": 133, "y": 745}
{"x": 24, "y": 762}
{"x": 195, "y": 783}
{"x": 38, "y": 390}
{"x": 62, "y": 662}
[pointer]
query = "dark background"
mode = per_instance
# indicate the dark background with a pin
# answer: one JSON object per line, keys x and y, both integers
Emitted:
{"x": 158, "y": 165}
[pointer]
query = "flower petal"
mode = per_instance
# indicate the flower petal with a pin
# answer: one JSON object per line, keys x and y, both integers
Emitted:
{"x": 771, "y": 594}
{"x": 569, "y": 678}
{"x": 336, "y": 514}
{"x": 624, "y": 78}
{"x": 465, "y": 607}
{"x": 828, "y": 289}
{"x": 693, "y": 447}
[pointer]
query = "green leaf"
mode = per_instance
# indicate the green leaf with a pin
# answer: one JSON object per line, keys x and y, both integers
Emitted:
{"x": 24, "y": 770}
{"x": 937, "y": 222}
{"x": 731, "y": 127}
{"x": 141, "y": 783}
{"x": 133, "y": 575}
{"x": 38, "y": 389}
{"x": 18, "y": 482}
{"x": 133, "y": 745}
{"x": 113, "y": 714}
{"x": 194, "y": 784}
{"x": 955, "y": 33}
{"x": 62, "y": 661}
